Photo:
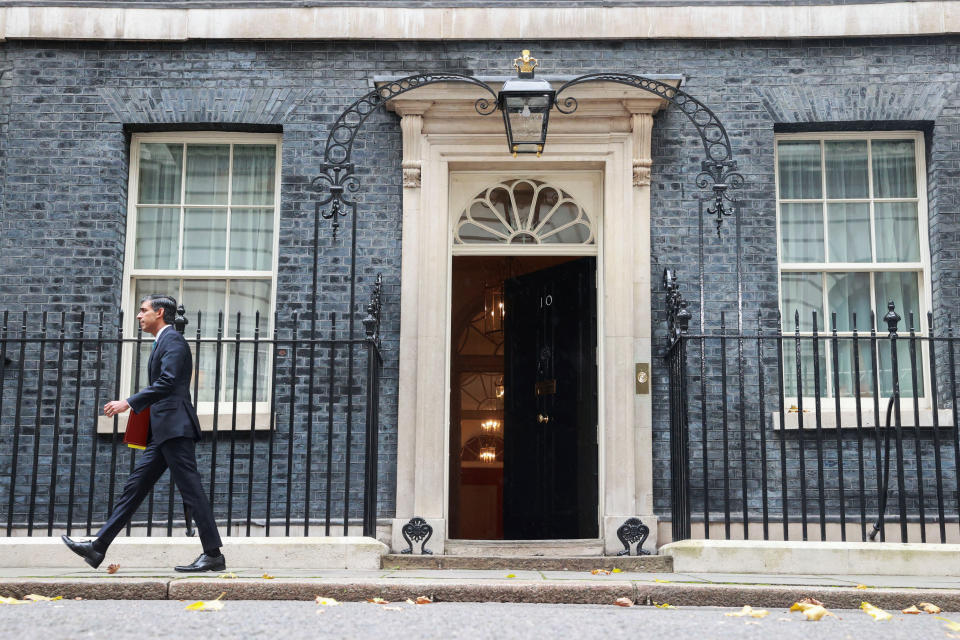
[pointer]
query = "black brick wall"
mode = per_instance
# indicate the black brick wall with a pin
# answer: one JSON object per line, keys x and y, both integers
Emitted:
{"x": 64, "y": 168}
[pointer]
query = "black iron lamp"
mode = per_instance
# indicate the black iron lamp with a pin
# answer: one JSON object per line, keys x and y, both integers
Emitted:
{"x": 526, "y": 103}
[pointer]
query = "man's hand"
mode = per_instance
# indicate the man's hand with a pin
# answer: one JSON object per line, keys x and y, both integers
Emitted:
{"x": 113, "y": 408}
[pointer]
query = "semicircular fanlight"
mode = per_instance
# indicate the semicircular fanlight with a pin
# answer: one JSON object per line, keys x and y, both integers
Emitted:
{"x": 524, "y": 211}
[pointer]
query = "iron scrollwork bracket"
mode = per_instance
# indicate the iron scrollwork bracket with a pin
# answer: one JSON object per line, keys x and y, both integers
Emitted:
{"x": 678, "y": 316}
{"x": 718, "y": 170}
{"x": 417, "y": 530}
{"x": 338, "y": 178}
{"x": 630, "y": 532}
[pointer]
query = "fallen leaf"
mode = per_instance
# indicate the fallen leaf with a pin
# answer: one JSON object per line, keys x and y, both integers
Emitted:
{"x": 953, "y": 626}
{"x": 409, "y": 601}
{"x": 862, "y": 586}
{"x": 929, "y": 608}
{"x": 816, "y": 612}
{"x": 874, "y": 612}
{"x": 664, "y": 606}
{"x": 623, "y": 602}
{"x": 228, "y": 575}
{"x": 812, "y": 611}
{"x": 912, "y": 609}
{"x": 35, "y": 598}
{"x": 4, "y": 600}
{"x": 748, "y": 611}
{"x": 600, "y": 572}
{"x": 78, "y": 598}
{"x": 616, "y": 570}
{"x": 423, "y": 600}
{"x": 112, "y": 569}
{"x": 662, "y": 581}
{"x": 813, "y": 601}
{"x": 208, "y": 605}
{"x": 326, "y": 602}
{"x": 511, "y": 575}
{"x": 378, "y": 600}
{"x": 267, "y": 576}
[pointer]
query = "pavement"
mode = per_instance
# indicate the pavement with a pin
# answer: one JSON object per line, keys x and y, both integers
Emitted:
{"x": 486, "y": 585}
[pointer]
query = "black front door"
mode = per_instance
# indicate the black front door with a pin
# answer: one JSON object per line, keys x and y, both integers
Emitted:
{"x": 550, "y": 488}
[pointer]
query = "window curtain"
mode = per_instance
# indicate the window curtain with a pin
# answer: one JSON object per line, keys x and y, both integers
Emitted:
{"x": 251, "y": 222}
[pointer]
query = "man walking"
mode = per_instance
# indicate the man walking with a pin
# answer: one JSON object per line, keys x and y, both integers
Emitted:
{"x": 174, "y": 431}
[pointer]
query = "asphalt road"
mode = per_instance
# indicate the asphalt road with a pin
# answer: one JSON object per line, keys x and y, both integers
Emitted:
{"x": 288, "y": 620}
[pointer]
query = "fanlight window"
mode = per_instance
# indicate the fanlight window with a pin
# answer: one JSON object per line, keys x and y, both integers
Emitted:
{"x": 524, "y": 212}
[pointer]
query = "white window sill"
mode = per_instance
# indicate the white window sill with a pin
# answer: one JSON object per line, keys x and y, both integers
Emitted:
{"x": 848, "y": 418}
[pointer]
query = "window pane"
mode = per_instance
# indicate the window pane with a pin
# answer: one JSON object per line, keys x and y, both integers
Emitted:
{"x": 848, "y": 370}
{"x": 848, "y": 294}
{"x": 904, "y": 368}
{"x": 799, "y": 169}
{"x": 160, "y": 169}
{"x": 806, "y": 370}
{"x": 803, "y": 294}
{"x": 207, "y": 297}
{"x": 898, "y": 232}
{"x": 903, "y": 290}
{"x": 254, "y": 170}
{"x": 801, "y": 232}
{"x": 894, "y": 169}
{"x": 849, "y": 231}
{"x": 248, "y": 297}
{"x": 204, "y": 238}
{"x": 847, "y": 175}
{"x": 208, "y": 166}
{"x": 158, "y": 238}
{"x": 251, "y": 239}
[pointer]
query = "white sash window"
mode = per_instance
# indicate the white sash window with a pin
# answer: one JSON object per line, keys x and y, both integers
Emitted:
{"x": 852, "y": 226}
{"x": 202, "y": 227}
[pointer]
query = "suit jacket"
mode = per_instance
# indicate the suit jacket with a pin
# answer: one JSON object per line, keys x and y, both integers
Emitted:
{"x": 168, "y": 395}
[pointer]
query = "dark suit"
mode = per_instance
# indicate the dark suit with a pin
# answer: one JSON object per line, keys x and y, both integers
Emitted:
{"x": 174, "y": 431}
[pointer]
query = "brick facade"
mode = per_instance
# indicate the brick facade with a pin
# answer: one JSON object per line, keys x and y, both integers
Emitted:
{"x": 67, "y": 109}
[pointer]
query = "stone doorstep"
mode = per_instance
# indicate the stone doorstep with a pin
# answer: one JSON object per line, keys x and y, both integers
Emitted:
{"x": 645, "y": 564}
{"x": 334, "y": 552}
{"x": 806, "y": 558}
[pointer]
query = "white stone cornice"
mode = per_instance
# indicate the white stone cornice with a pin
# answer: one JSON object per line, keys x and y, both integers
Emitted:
{"x": 486, "y": 23}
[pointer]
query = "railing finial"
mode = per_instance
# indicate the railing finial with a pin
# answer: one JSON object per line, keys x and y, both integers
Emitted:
{"x": 180, "y": 321}
{"x": 892, "y": 318}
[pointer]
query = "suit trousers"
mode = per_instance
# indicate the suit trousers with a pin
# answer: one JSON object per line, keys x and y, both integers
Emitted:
{"x": 179, "y": 455}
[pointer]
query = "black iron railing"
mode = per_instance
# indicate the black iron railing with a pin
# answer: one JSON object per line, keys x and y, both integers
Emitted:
{"x": 292, "y": 420}
{"x": 777, "y": 433}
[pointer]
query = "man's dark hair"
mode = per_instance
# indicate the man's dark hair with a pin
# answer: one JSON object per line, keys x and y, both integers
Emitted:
{"x": 160, "y": 301}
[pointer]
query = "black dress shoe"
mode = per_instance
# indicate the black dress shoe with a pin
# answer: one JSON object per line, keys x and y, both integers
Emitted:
{"x": 85, "y": 550}
{"x": 204, "y": 563}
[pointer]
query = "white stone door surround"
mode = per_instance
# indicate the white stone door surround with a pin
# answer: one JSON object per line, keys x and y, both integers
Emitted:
{"x": 443, "y": 134}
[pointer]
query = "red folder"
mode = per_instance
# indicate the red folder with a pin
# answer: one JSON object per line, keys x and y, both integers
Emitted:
{"x": 138, "y": 425}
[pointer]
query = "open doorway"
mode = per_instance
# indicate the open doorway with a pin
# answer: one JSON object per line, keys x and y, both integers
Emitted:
{"x": 523, "y": 401}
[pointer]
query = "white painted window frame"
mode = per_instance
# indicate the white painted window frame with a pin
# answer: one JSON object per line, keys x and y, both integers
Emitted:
{"x": 130, "y": 273}
{"x": 922, "y": 267}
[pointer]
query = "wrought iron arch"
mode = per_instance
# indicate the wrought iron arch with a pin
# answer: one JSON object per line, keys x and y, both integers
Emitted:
{"x": 719, "y": 167}
{"x": 337, "y": 175}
